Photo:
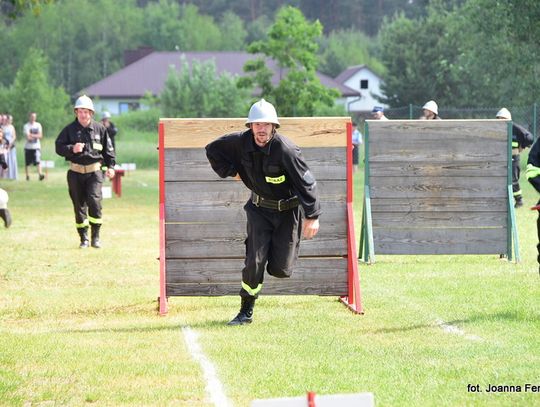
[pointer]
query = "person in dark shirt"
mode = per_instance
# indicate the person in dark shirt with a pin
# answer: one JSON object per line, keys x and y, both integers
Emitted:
{"x": 87, "y": 145}
{"x": 281, "y": 184}
{"x": 532, "y": 173}
{"x": 110, "y": 126}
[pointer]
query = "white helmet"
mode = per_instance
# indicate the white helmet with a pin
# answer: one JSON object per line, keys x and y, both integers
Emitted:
{"x": 262, "y": 112}
{"x": 84, "y": 102}
{"x": 431, "y": 106}
{"x": 106, "y": 115}
{"x": 504, "y": 114}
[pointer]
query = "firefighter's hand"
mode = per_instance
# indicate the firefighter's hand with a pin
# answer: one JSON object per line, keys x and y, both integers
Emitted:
{"x": 78, "y": 148}
{"x": 110, "y": 173}
{"x": 310, "y": 228}
{"x": 237, "y": 177}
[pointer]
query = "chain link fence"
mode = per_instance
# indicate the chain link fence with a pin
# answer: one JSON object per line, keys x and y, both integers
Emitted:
{"x": 526, "y": 116}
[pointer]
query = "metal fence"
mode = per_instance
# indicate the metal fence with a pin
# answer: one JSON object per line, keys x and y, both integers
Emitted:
{"x": 526, "y": 116}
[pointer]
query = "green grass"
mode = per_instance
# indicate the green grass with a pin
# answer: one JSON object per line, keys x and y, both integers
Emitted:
{"x": 80, "y": 326}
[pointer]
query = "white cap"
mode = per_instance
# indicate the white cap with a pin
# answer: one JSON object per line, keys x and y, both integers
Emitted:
{"x": 262, "y": 112}
{"x": 431, "y": 106}
{"x": 105, "y": 115}
{"x": 504, "y": 114}
{"x": 84, "y": 102}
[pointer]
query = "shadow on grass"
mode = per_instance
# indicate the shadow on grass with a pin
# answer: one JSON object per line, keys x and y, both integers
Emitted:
{"x": 495, "y": 317}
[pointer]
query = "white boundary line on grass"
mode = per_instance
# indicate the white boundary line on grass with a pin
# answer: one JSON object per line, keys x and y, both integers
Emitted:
{"x": 452, "y": 329}
{"x": 214, "y": 388}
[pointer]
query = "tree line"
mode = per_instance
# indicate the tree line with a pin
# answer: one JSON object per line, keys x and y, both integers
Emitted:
{"x": 458, "y": 52}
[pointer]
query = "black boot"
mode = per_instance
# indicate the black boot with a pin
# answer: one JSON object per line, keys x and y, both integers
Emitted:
{"x": 83, "y": 234}
{"x": 6, "y": 216}
{"x": 95, "y": 236}
{"x": 519, "y": 202}
{"x": 245, "y": 316}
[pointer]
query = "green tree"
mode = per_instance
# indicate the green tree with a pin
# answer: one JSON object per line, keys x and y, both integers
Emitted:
{"x": 292, "y": 43}
{"x": 198, "y": 91}
{"x": 32, "y": 92}
{"x": 344, "y": 48}
{"x": 233, "y": 33}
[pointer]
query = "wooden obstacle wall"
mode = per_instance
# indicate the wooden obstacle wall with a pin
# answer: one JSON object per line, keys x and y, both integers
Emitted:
{"x": 437, "y": 187}
{"x": 204, "y": 224}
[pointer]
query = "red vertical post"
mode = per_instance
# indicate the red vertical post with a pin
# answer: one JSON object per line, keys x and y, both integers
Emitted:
{"x": 311, "y": 399}
{"x": 163, "y": 308}
{"x": 353, "y": 301}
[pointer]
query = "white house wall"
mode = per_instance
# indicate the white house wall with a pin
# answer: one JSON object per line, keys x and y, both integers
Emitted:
{"x": 367, "y": 101}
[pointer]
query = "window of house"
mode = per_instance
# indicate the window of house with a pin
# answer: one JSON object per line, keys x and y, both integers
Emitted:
{"x": 363, "y": 83}
{"x": 124, "y": 107}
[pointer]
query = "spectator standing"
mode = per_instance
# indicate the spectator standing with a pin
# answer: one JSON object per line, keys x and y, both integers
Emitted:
{"x": 10, "y": 135}
{"x": 110, "y": 126}
{"x": 86, "y": 144}
{"x": 3, "y": 151}
{"x": 33, "y": 132}
{"x": 521, "y": 139}
{"x": 4, "y": 211}
{"x": 356, "y": 141}
{"x": 377, "y": 113}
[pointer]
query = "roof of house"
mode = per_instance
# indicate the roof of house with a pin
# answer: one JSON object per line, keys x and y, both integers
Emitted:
{"x": 350, "y": 71}
{"x": 148, "y": 74}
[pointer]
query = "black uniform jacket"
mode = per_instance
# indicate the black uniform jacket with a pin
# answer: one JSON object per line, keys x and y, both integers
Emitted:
{"x": 97, "y": 144}
{"x": 275, "y": 171}
{"x": 521, "y": 136}
{"x": 533, "y": 166}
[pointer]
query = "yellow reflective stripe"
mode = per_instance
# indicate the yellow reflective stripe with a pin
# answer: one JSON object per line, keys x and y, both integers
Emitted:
{"x": 275, "y": 180}
{"x": 517, "y": 193}
{"x": 104, "y": 168}
{"x": 97, "y": 146}
{"x": 532, "y": 171}
{"x": 251, "y": 291}
{"x": 82, "y": 225}
{"x": 95, "y": 221}
{"x": 515, "y": 144}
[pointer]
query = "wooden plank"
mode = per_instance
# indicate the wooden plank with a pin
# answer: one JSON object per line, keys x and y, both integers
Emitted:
{"x": 188, "y": 164}
{"x": 438, "y": 141}
{"x": 438, "y": 169}
{"x": 437, "y": 188}
{"x": 199, "y": 240}
{"x": 224, "y": 199}
{"x": 304, "y": 131}
{"x": 449, "y": 204}
{"x": 223, "y": 277}
{"x": 400, "y": 220}
{"x": 440, "y": 241}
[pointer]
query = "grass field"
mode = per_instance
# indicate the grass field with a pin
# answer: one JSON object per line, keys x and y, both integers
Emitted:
{"x": 80, "y": 327}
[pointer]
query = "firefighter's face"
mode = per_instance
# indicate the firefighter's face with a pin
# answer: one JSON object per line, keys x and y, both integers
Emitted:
{"x": 262, "y": 133}
{"x": 84, "y": 116}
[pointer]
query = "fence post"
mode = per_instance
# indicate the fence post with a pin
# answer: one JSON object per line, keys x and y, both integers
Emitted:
{"x": 534, "y": 121}
{"x": 410, "y": 111}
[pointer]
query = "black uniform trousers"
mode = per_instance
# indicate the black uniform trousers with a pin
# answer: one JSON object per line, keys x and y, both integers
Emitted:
{"x": 273, "y": 242}
{"x": 85, "y": 193}
{"x": 516, "y": 171}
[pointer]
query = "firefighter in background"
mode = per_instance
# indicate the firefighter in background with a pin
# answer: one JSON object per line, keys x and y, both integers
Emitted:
{"x": 87, "y": 145}
{"x": 533, "y": 176}
{"x": 4, "y": 198}
{"x": 521, "y": 139}
{"x": 272, "y": 167}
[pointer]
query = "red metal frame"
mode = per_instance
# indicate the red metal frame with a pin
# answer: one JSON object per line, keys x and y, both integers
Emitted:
{"x": 354, "y": 299}
{"x": 117, "y": 182}
{"x": 163, "y": 307}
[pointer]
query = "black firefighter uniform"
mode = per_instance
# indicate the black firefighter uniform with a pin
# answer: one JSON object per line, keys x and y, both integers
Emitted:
{"x": 532, "y": 173}
{"x": 281, "y": 184}
{"x": 85, "y": 176}
{"x": 521, "y": 139}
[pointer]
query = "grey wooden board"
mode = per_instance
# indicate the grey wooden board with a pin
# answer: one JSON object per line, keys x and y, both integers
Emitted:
{"x": 448, "y": 204}
{"x": 193, "y": 240}
{"x": 438, "y": 168}
{"x": 439, "y": 219}
{"x": 440, "y": 241}
{"x": 438, "y": 188}
{"x": 223, "y": 200}
{"x": 189, "y": 164}
{"x": 438, "y": 141}
{"x": 223, "y": 277}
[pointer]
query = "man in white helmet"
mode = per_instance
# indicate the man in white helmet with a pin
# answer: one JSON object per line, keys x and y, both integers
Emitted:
{"x": 430, "y": 111}
{"x": 272, "y": 167}
{"x": 87, "y": 145}
{"x": 521, "y": 139}
{"x": 110, "y": 126}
